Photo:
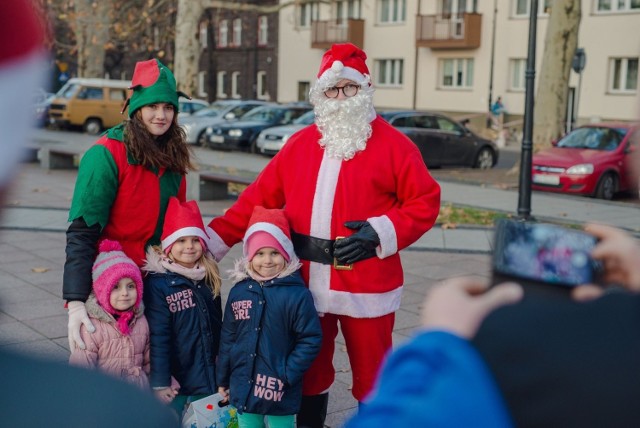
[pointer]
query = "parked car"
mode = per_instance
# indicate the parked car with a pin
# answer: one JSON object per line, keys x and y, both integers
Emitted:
{"x": 443, "y": 141}
{"x": 271, "y": 140}
{"x": 218, "y": 112}
{"x": 243, "y": 133}
{"x": 593, "y": 160}
{"x": 187, "y": 107}
{"x": 41, "y": 102}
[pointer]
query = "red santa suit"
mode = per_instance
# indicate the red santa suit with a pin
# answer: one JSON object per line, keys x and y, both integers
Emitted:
{"x": 387, "y": 184}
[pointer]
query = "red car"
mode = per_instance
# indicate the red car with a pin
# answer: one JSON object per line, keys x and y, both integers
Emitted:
{"x": 593, "y": 160}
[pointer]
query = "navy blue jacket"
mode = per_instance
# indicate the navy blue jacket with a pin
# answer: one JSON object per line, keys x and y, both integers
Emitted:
{"x": 185, "y": 322}
{"x": 270, "y": 336}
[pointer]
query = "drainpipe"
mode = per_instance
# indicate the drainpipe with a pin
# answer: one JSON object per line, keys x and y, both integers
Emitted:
{"x": 493, "y": 50}
{"x": 415, "y": 65}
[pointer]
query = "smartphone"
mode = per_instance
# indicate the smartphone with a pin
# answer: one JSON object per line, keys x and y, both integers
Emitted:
{"x": 544, "y": 253}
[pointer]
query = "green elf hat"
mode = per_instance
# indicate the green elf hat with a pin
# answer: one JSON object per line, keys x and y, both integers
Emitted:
{"x": 152, "y": 82}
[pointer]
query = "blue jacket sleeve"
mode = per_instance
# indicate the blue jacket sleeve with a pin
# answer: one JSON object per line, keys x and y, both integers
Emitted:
{"x": 227, "y": 340}
{"x": 435, "y": 380}
{"x": 159, "y": 319}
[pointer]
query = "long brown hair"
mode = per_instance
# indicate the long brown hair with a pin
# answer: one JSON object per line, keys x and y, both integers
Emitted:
{"x": 169, "y": 150}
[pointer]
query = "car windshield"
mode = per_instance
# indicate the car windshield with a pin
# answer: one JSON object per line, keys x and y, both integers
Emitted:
{"x": 209, "y": 112}
{"x": 262, "y": 114}
{"x": 305, "y": 119}
{"x": 595, "y": 138}
{"x": 68, "y": 90}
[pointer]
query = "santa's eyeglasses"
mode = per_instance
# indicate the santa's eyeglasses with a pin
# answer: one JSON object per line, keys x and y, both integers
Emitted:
{"x": 348, "y": 91}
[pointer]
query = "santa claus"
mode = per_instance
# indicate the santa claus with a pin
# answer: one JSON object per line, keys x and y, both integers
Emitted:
{"x": 356, "y": 191}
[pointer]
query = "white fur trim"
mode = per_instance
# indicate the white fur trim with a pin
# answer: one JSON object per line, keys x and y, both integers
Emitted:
{"x": 339, "y": 73}
{"x": 387, "y": 233}
{"x": 180, "y": 233}
{"x": 272, "y": 230}
{"x": 319, "y": 274}
{"x": 18, "y": 77}
{"x": 216, "y": 245}
{"x": 363, "y": 305}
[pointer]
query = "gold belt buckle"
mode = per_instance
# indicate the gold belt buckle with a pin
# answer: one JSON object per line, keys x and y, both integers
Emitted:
{"x": 339, "y": 266}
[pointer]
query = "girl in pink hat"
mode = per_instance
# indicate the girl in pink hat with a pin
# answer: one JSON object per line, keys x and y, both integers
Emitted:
{"x": 271, "y": 332}
{"x": 120, "y": 344}
{"x": 184, "y": 309}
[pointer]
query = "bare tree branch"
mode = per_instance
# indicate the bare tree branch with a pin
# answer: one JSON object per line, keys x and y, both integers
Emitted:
{"x": 232, "y": 5}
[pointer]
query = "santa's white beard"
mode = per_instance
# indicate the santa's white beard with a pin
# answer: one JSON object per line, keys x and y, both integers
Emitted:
{"x": 344, "y": 124}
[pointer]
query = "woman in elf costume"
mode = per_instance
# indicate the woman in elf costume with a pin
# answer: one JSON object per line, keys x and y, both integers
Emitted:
{"x": 124, "y": 184}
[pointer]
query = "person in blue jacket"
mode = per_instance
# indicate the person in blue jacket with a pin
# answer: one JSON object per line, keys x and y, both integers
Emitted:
{"x": 271, "y": 331}
{"x": 183, "y": 308}
{"x": 438, "y": 379}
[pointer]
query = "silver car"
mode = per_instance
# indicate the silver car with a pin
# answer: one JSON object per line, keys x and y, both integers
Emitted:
{"x": 219, "y": 112}
{"x": 271, "y": 140}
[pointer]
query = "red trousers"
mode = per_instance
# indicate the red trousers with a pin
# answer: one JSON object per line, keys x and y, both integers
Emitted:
{"x": 368, "y": 340}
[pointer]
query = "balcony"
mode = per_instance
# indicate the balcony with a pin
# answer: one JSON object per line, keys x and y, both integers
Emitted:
{"x": 459, "y": 31}
{"x": 326, "y": 33}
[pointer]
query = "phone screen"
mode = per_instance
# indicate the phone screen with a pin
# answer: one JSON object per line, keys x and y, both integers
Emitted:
{"x": 545, "y": 252}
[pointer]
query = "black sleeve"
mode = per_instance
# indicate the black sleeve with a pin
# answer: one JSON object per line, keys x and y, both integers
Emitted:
{"x": 81, "y": 251}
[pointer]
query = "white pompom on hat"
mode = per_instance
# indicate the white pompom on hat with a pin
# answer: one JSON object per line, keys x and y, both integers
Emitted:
{"x": 182, "y": 219}
{"x": 344, "y": 61}
{"x": 268, "y": 228}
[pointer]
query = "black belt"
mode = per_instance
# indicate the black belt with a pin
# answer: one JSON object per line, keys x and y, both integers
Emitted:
{"x": 313, "y": 249}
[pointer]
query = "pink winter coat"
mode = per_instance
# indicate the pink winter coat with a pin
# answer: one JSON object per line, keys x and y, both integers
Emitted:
{"x": 124, "y": 357}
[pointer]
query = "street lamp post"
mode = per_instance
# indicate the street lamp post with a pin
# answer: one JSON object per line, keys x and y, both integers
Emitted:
{"x": 524, "y": 188}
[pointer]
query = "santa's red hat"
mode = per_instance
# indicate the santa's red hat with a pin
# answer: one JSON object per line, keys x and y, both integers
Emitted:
{"x": 268, "y": 228}
{"x": 344, "y": 61}
{"x": 182, "y": 219}
{"x": 22, "y": 70}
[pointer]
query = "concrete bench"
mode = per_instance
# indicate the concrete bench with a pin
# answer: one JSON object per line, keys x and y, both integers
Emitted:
{"x": 212, "y": 185}
{"x": 52, "y": 157}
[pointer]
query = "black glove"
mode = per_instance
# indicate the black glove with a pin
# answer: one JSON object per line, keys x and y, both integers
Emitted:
{"x": 359, "y": 246}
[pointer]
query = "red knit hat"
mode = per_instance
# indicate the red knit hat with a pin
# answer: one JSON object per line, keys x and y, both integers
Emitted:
{"x": 182, "y": 219}
{"x": 111, "y": 265}
{"x": 268, "y": 228}
{"x": 345, "y": 61}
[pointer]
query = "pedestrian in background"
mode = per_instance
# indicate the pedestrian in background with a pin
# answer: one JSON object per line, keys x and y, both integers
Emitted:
{"x": 124, "y": 184}
{"x": 350, "y": 174}
{"x": 497, "y": 114}
{"x": 120, "y": 344}
{"x": 270, "y": 315}
{"x": 184, "y": 308}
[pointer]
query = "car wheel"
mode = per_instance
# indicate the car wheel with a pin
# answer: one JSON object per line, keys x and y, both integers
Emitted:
{"x": 607, "y": 186}
{"x": 485, "y": 159}
{"x": 202, "y": 140}
{"x": 92, "y": 126}
{"x": 253, "y": 147}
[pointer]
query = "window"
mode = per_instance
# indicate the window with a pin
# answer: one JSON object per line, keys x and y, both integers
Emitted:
{"x": 202, "y": 84}
{"x": 303, "y": 91}
{"x": 457, "y": 73}
{"x": 223, "y": 33}
{"x": 221, "y": 78}
{"x": 392, "y": 11}
{"x": 263, "y": 27}
{"x": 234, "y": 84}
{"x": 517, "y": 68}
{"x": 347, "y": 9}
{"x": 623, "y": 75}
{"x": 618, "y": 5}
{"x": 90, "y": 94}
{"x": 389, "y": 72}
{"x": 204, "y": 35}
{"x": 522, "y": 7}
{"x": 237, "y": 32}
{"x": 262, "y": 92}
{"x": 307, "y": 13}
{"x": 117, "y": 94}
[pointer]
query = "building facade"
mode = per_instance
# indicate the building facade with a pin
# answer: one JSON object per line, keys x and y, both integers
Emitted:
{"x": 456, "y": 56}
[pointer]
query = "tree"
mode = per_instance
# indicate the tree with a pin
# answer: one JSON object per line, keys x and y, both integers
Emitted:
{"x": 561, "y": 42}
{"x": 93, "y": 21}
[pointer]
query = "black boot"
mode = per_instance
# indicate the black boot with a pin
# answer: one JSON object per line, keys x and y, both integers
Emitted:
{"x": 313, "y": 411}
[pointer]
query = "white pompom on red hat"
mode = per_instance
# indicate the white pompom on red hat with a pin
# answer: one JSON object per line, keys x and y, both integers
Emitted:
{"x": 182, "y": 219}
{"x": 268, "y": 228}
{"x": 344, "y": 61}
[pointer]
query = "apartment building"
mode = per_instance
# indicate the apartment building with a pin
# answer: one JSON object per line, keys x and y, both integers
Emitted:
{"x": 455, "y": 56}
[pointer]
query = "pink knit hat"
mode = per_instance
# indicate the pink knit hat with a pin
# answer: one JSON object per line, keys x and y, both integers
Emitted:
{"x": 346, "y": 61}
{"x": 111, "y": 265}
{"x": 268, "y": 228}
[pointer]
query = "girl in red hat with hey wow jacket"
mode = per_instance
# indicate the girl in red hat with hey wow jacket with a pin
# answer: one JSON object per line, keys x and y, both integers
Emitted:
{"x": 184, "y": 309}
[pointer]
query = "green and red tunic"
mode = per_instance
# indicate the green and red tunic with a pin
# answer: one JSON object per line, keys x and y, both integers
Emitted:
{"x": 126, "y": 199}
